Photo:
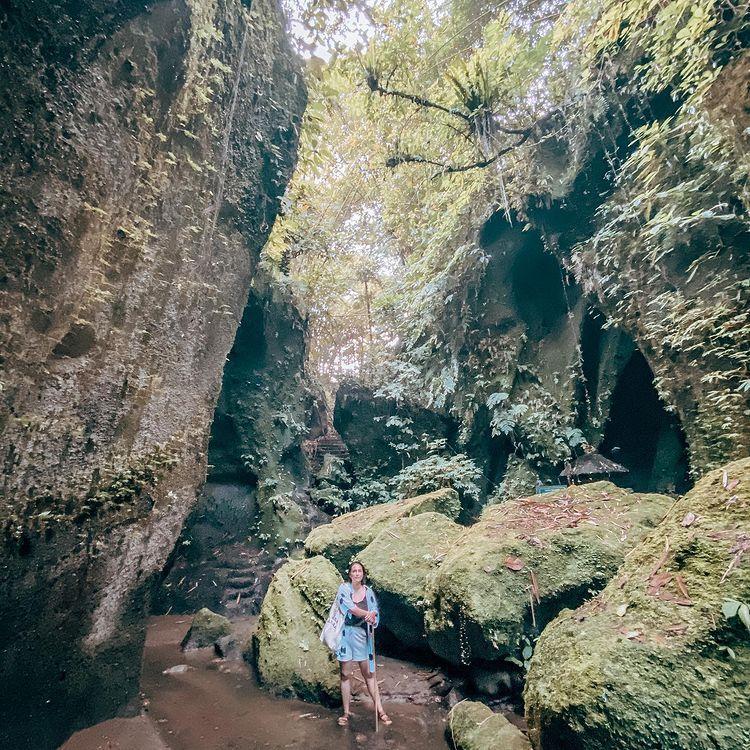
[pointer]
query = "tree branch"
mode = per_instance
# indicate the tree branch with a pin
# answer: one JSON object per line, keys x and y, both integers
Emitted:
{"x": 375, "y": 86}
{"x": 396, "y": 159}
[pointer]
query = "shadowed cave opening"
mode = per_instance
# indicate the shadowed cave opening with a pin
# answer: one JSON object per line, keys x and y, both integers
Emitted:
{"x": 592, "y": 342}
{"x": 195, "y": 574}
{"x": 643, "y": 436}
{"x": 538, "y": 289}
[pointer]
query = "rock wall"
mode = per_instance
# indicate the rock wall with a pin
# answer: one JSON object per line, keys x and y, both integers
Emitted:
{"x": 144, "y": 148}
{"x": 373, "y": 426}
{"x": 661, "y": 657}
{"x": 255, "y": 504}
{"x": 534, "y": 370}
{"x": 608, "y": 303}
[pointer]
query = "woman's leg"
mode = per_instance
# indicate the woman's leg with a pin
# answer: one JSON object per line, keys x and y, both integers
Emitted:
{"x": 346, "y": 689}
{"x": 372, "y": 689}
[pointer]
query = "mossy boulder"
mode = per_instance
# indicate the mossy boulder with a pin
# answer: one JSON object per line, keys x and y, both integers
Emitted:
{"x": 207, "y": 627}
{"x": 557, "y": 548}
{"x": 350, "y": 533}
{"x": 473, "y": 726}
{"x": 286, "y": 647}
{"x": 653, "y": 661}
{"x": 399, "y": 562}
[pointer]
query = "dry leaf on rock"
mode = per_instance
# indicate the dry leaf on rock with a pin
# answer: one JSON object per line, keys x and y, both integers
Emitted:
{"x": 514, "y": 563}
{"x": 689, "y": 519}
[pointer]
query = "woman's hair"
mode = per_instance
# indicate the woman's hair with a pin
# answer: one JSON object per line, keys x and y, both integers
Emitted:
{"x": 364, "y": 570}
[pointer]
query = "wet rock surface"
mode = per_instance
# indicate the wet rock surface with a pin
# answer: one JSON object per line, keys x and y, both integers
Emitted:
{"x": 286, "y": 647}
{"x": 654, "y": 660}
{"x": 343, "y": 538}
{"x": 473, "y": 726}
{"x": 142, "y": 164}
{"x": 207, "y": 628}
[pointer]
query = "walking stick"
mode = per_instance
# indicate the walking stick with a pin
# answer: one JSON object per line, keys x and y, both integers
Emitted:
{"x": 376, "y": 699}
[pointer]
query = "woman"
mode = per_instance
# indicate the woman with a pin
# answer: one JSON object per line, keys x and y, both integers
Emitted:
{"x": 358, "y": 603}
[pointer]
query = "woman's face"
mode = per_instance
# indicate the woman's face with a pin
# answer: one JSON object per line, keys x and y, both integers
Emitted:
{"x": 356, "y": 573}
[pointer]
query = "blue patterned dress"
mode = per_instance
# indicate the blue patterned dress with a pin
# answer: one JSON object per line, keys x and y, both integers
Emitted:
{"x": 356, "y": 642}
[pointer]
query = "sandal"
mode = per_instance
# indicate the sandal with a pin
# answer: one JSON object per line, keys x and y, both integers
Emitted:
{"x": 385, "y": 718}
{"x": 342, "y": 721}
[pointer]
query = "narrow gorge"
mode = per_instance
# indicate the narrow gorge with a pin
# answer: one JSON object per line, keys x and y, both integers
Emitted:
{"x": 458, "y": 290}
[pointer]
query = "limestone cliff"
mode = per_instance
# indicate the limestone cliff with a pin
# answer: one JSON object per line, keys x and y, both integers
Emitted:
{"x": 608, "y": 303}
{"x": 144, "y": 148}
{"x": 255, "y": 502}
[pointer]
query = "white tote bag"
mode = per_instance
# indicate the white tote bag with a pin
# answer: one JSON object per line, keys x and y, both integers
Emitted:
{"x": 331, "y": 633}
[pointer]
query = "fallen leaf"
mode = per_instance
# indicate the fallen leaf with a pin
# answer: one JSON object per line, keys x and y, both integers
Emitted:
{"x": 657, "y": 581}
{"x": 682, "y": 587}
{"x": 664, "y": 557}
{"x": 689, "y": 519}
{"x": 724, "y": 479}
{"x": 621, "y": 610}
{"x": 631, "y": 634}
{"x": 678, "y": 629}
{"x": 514, "y": 563}
{"x": 489, "y": 568}
{"x": 732, "y": 485}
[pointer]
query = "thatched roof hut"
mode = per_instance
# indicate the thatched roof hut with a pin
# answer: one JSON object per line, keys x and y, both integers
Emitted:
{"x": 591, "y": 466}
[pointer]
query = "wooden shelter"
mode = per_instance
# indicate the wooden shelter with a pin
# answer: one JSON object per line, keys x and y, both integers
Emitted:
{"x": 590, "y": 467}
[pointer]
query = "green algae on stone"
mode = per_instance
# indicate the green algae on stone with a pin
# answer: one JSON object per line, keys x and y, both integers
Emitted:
{"x": 473, "y": 726}
{"x": 652, "y": 662}
{"x": 350, "y": 533}
{"x": 399, "y": 562}
{"x": 207, "y": 627}
{"x": 564, "y": 545}
{"x": 288, "y": 654}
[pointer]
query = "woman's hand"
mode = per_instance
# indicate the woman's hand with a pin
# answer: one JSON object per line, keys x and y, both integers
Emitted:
{"x": 371, "y": 617}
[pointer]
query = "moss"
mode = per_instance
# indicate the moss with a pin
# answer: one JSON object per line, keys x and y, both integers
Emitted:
{"x": 206, "y": 628}
{"x": 123, "y": 492}
{"x": 568, "y": 543}
{"x": 652, "y": 661}
{"x": 473, "y": 726}
{"x": 399, "y": 562}
{"x": 347, "y": 535}
{"x": 519, "y": 480}
{"x": 123, "y": 291}
{"x": 286, "y": 649}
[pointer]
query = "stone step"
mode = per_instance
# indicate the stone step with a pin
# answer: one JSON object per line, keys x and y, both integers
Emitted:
{"x": 241, "y": 581}
{"x": 231, "y": 595}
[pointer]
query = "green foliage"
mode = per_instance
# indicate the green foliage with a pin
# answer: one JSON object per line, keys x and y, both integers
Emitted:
{"x": 731, "y": 609}
{"x": 388, "y": 260}
{"x": 369, "y": 492}
{"x": 435, "y": 472}
{"x": 331, "y": 499}
{"x": 122, "y": 485}
{"x": 681, "y": 194}
{"x": 120, "y": 493}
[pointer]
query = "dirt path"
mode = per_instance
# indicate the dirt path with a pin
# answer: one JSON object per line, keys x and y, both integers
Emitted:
{"x": 214, "y": 704}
